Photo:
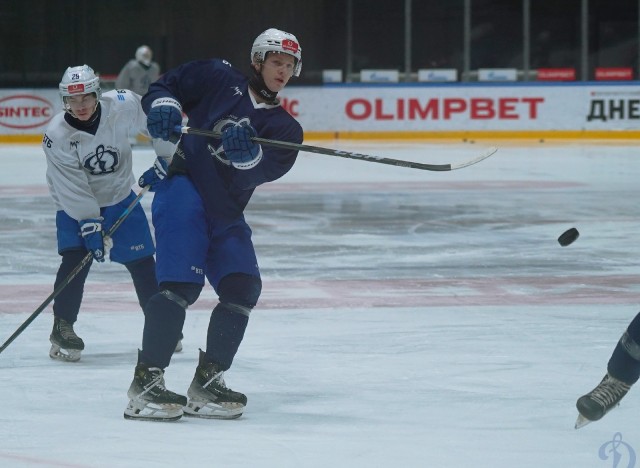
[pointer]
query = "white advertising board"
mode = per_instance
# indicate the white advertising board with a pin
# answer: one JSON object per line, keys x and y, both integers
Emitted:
{"x": 27, "y": 111}
{"x": 497, "y": 74}
{"x": 437, "y": 74}
{"x": 379, "y": 76}
{"x": 452, "y": 107}
{"x": 422, "y": 108}
{"x": 331, "y": 76}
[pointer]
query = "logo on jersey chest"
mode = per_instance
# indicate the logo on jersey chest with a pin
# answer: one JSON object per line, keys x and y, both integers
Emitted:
{"x": 104, "y": 160}
{"x": 218, "y": 151}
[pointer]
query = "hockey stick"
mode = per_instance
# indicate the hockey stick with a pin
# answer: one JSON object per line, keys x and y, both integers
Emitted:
{"x": 76, "y": 270}
{"x": 346, "y": 154}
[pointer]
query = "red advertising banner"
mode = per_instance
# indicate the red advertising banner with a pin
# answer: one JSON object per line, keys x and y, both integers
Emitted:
{"x": 614, "y": 74}
{"x": 556, "y": 74}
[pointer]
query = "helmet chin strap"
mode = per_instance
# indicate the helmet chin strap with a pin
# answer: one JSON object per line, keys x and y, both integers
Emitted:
{"x": 256, "y": 82}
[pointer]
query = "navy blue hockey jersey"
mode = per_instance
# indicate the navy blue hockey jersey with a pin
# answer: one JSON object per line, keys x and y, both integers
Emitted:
{"x": 213, "y": 94}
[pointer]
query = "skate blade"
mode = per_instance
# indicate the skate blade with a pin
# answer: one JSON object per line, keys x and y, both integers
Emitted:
{"x": 65, "y": 355}
{"x": 209, "y": 410}
{"x": 145, "y": 411}
{"x": 582, "y": 421}
{"x": 152, "y": 419}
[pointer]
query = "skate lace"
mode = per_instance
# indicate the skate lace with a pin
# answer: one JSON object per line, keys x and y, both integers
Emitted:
{"x": 218, "y": 377}
{"x": 609, "y": 391}
{"x": 66, "y": 330}
{"x": 156, "y": 383}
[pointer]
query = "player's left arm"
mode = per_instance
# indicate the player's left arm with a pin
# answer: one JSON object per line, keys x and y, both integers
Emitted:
{"x": 273, "y": 162}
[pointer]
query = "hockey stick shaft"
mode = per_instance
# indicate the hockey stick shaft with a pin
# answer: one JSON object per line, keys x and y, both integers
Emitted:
{"x": 345, "y": 154}
{"x": 74, "y": 273}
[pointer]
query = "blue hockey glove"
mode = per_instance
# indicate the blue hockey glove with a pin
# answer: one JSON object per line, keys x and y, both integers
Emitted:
{"x": 238, "y": 147}
{"x": 91, "y": 230}
{"x": 154, "y": 175}
{"x": 163, "y": 118}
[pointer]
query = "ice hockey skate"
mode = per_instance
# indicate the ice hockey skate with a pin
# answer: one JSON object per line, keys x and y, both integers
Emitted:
{"x": 209, "y": 397}
{"x": 599, "y": 401}
{"x": 65, "y": 344}
{"x": 149, "y": 400}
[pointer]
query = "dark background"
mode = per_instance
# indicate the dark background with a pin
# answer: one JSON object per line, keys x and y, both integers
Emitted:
{"x": 41, "y": 38}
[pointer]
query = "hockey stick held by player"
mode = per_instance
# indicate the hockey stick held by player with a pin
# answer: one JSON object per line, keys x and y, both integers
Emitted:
{"x": 346, "y": 154}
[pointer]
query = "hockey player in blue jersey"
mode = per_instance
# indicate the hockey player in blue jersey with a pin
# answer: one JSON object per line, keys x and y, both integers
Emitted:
{"x": 200, "y": 230}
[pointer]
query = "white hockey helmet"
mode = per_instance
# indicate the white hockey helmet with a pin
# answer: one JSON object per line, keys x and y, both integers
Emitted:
{"x": 79, "y": 80}
{"x": 275, "y": 40}
{"x": 144, "y": 54}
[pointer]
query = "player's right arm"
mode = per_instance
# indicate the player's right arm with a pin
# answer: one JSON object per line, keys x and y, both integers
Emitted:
{"x": 67, "y": 180}
{"x": 175, "y": 92}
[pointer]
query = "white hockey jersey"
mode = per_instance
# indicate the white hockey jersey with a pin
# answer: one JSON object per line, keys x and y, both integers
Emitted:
{"x": 86, "y": 172}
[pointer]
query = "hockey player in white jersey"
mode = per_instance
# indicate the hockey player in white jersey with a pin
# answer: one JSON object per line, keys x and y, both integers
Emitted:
{"x": 89, "y": 174}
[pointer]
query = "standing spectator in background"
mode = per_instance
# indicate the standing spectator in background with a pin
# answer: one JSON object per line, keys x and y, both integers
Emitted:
{"x": 136, "y": 76}
{"x": 139, "y": 73}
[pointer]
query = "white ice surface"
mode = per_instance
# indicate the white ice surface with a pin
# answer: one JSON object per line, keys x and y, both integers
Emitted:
{"x": 408, "y": 319}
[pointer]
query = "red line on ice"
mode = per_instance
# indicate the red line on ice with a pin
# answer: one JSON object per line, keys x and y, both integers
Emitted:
{"x": 395, "y": 293}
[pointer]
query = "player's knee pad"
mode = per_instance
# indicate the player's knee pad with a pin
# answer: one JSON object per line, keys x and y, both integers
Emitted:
{"x": 229, "y": 307}
{"x": 183, "y": 294}
{"x": 240, "y": 289}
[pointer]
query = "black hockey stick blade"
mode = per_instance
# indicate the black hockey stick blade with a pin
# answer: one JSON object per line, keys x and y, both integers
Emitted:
{"x": 74, "y": 272}
{"x": 347, "y": 154}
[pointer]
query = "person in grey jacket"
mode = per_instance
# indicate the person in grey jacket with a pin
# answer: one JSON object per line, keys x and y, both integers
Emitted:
{"x": 139, "y": 73}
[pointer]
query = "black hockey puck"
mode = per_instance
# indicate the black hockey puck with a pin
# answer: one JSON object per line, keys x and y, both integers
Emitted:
{"x": 568, "y": 237}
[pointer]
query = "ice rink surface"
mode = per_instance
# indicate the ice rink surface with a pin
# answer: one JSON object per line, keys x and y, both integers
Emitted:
{"x": 408, "y": 319}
